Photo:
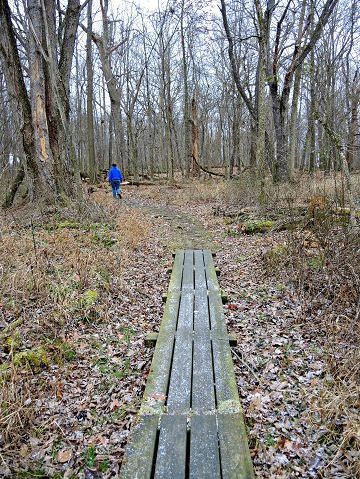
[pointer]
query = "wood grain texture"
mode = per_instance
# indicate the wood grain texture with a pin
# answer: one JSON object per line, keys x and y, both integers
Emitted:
{"x": 171, "y": 453}
{"x": 204, "y": 450}
{"x": 138, "y": 460}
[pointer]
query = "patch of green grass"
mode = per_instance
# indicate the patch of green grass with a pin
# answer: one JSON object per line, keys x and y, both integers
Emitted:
{"x": 119, "y": 414}
{"x": 73, "y": 225}
{"x": 89, "y": 298}
{"x": 31, "y": 474}
{"x": 104, "y": 465}
{"x": 90, "y": 456}
{"x": 270, "y": 441}
{"x": 257, "y": 226}
{"x": 105, "y": 278}
{"x": 103, "y": 239}
{"x": 12, "y": 343}
{"x": 124, "y": 371}
{"x": 102, "y": 363}
{"x": 317, "y": 262}
{"x": 128, "y": 333}
{"x": 56, "y": 447}
{"x": 67, "y": 352}
{"x": 60, "y": 292}
{"x": 232, "y": 233}
{"x": 105, "y": 367}
{"x": 33, "y": 358}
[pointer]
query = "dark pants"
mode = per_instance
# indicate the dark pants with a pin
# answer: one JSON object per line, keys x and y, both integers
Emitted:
{"x": 115, "y": 185}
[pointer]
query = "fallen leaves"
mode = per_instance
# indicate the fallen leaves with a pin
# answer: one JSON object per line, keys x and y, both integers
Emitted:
{"x": 64, "y": 455}
{"x": 87, "y": 407}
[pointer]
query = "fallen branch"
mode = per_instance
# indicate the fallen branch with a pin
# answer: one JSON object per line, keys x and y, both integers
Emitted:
{"x": 206, "y": 170}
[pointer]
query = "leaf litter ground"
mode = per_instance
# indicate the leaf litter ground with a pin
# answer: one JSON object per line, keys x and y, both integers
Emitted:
{"x": 84, "y": 408}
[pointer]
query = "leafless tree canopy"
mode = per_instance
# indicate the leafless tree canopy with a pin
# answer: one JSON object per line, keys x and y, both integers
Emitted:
{"x": 217, "y": 86}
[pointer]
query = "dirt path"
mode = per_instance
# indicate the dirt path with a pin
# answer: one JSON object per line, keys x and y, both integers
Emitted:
{"x": 186, "y": 230}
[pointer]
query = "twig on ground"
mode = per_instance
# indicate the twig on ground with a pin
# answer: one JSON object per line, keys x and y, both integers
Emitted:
{"x": 242, "y": 360}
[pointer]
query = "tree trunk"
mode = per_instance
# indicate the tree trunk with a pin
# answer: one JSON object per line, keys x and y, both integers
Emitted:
{"x": 353, "y": 124}
{"x": 90, "y": 97}
{"x": 293, "y": 136}
{"x": 10, "y": 195}
{"x": 195, "y": 169}
{"x": 38, "y": 177}
{"x": 187, "y": 120}
{"x": 38, "y": 96}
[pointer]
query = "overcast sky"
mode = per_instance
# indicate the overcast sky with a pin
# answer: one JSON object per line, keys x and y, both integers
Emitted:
{"x": 149, "y": 4}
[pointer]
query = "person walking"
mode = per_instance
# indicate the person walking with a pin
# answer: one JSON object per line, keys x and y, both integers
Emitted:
{"x": 115, "y": 179}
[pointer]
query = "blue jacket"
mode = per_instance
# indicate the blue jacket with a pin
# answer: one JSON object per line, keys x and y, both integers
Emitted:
{"x": 115, "y": 174}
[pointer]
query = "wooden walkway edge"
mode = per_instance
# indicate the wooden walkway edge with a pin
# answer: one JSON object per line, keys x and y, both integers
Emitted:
{"x": 190, "y": 424}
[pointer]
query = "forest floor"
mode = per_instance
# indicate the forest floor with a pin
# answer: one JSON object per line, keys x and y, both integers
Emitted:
{"x": 86, "y": 289}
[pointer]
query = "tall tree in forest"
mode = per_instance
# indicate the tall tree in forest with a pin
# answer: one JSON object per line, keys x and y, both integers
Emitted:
{"x": 280, "y": 99}
{"x": 47, "y": 145}
{"x": 90, "y": 96}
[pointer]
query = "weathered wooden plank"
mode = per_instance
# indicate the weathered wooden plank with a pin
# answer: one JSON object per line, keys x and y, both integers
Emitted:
{"x": 158, "y": 380}
{"x": 186, "y": 314}
{"x": 171, "y": 454}
{"x": 227, "y": 396}
{"x": 170, "y": 315}
{"x": 201, "y": 312}
{"x": 179, "y": 397}
{"x": 204, "y": 448}
{"x": 216, "y": 312}
{"x": 140, "y": 451}
{"x": 203, "y": 396}
{"x": 199, "y": 267}
{"x": 188, "y": 273}
{"x": 177, "y": 271}
{"x": 211, "y": 277}
{"x": 203, "y": 393}
{"x": 151, "y": 338}
{"x": 235, "y": 456}
{"x": 201, "y": 307}
{"x": 180, "y": 380}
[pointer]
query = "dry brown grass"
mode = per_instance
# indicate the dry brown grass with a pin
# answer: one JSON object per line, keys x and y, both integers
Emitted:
{"x": 323, "y": 262}
{"x": 245, "y": 192}
{"x": 54, "y": 274}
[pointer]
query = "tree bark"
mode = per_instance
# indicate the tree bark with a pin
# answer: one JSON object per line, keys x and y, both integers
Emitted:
{"x": 195, "y": 170}
{"x": 90, "y": 97}
{"x": 16, "y": 84}
{"x": 187, "y": 120}
{"x": 293, "y": 137}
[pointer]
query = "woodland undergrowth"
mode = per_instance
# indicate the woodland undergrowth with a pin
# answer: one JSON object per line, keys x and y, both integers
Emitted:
{"x": 318, "y": 254}
{"x": 324, "y": 264}
{"x": 62, "y": 271}
{"x": 58, "y": 272}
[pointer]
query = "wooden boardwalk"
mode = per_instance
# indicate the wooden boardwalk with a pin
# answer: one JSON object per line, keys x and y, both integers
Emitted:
{"x": 190, "y": 424}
